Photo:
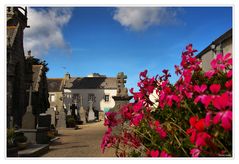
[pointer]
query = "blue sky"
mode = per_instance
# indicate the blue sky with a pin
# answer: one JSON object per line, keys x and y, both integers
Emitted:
{"x": 111, "y": 40}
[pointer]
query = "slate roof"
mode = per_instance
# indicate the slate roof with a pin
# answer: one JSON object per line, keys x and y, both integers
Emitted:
{"x": 91, "y": 83}
{"x": 36, "y": 77}
{"x": 219, "y": 40}
{"x": 54, "y": 84}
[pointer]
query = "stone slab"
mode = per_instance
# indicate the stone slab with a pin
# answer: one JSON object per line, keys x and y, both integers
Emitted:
{"x": 34, "y": 150}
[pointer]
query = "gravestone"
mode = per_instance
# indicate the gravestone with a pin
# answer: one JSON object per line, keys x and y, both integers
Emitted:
{"x": 61, "y": 123}
{"x": 91, "y": 115}
{"x": 82, "y": 114}
{"x": 28, "y": 120}
{"x": 44, "y": 125}
{"x": 51, "y": 112}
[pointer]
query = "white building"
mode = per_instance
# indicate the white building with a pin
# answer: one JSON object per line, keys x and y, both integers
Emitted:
{"x": 82, "y": 90}
{"x": 222, "y": 44}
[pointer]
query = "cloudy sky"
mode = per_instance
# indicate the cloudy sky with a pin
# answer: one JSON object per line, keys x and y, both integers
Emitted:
{"x": 109, "y": 40}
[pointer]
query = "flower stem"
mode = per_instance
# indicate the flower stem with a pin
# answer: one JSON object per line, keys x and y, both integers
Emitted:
{"x": 180, "y": 145}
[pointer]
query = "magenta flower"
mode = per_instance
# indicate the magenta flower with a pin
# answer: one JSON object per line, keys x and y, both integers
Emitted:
{"x": 143, "y": 74}
{"x": 229, "y": 74}
{"x": 205, "y": 99}
{"x": 200, "y": 89}
{"x": 215, "y": 88}
{"x": 208, "y": 119}
{"x": 209, "y": 74}
{"x": 228, "y": 84}
{"x": 154, "y": 153}
{"x": 164, "y": 154}
{"x": 110, "y": 119}
{"x": 223, "y": 101}
{"x": 195, "y": 152}
{"x": 225, "y": 118}
{"x": 136, "y": 119}
{"x": 202, "y": 138}
{"x": 138, "y": 106}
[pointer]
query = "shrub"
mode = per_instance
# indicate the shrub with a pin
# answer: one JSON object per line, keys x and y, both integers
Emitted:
{"x": 192, "y": 117}
{"x": 19, "y": 137}
{"x": 70, "y": 121}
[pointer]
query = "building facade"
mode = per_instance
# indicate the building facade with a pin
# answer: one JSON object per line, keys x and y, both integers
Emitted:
{"x": 223, "y": 45}
{"x": 26, "y": 80}
{"x": 63, "y": 92}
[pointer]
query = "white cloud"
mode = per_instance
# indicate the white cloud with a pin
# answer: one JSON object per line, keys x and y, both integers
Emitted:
{"x": 141, "y": 18}
{"x": 45, "y": 30}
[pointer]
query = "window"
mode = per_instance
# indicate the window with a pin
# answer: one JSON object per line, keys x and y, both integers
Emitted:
{"x": 107, "y": 98}
{"x": 52, "y": 98}
{"x": 75, "y": 96}
{"x": 91, "y": 97}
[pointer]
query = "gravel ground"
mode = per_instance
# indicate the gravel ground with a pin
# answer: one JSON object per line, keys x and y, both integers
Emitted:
{"x": 84, "y": 142}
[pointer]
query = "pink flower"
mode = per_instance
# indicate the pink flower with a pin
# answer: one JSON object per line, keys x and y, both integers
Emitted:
{"x": 200, "y": 125}
{"x": 201, "y": 89}
{"x": 110, "y": 119}
{"x": 154, "y": 153}
{"x": 205, "y": 99}
{"x": 190, "y": 49}
{"x": 143, "y": 74}
{"x": 229, "y": 74}
{"x": 138, "y": 106}
{"x": 215, "y": 88}
{"x": 202, "y": 138}
{"x": 209, "y": 74}
{"x": 223, "y": 101}
{"x": 195, "y": 152}
{"x": 208, "y": 119}
{"x": 193, "y": 120}
{"x": 177, "y": 70}
{"x": 164, "y": 154}
{"x": 225, "y": 118}
{"x": 136, "y": 119}
{"x": 172, "y": 98}
{"x": 228, "y": 84}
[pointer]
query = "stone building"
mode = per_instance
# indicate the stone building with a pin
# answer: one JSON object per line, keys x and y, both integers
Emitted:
{"x": 40, "y": 102}
{"x": 24, "y": 76}
{"x": 18, "y": 71}
{"x": 222, "y": 44}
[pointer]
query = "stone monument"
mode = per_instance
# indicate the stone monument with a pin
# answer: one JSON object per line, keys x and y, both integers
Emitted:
{"x": 121, "y": 97}
{"x": 82, "y": 111}
{"x": 91, "y": 114}
{"x": 52, "y": 112}
{"x": 61, "y": 123}
{"x": 28, "y": 120}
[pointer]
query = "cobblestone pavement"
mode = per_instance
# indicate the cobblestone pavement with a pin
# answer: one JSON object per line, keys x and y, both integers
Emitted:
{"x": 84, "y": 142}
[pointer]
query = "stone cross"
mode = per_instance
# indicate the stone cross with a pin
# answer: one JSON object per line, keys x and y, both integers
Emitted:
{"x": 28, "y": 120}
{"x": 121, "y": 80}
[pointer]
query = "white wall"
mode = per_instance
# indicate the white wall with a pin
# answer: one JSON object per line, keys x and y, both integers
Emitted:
{"x": 99, "y": 103}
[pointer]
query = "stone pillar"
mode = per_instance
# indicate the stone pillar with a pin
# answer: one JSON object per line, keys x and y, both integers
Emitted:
{"x": 61, "y": 123}
{"x": 121, "y": 98}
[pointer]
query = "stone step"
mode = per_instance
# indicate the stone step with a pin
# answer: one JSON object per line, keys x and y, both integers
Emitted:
{"x": 34, "y": 150}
